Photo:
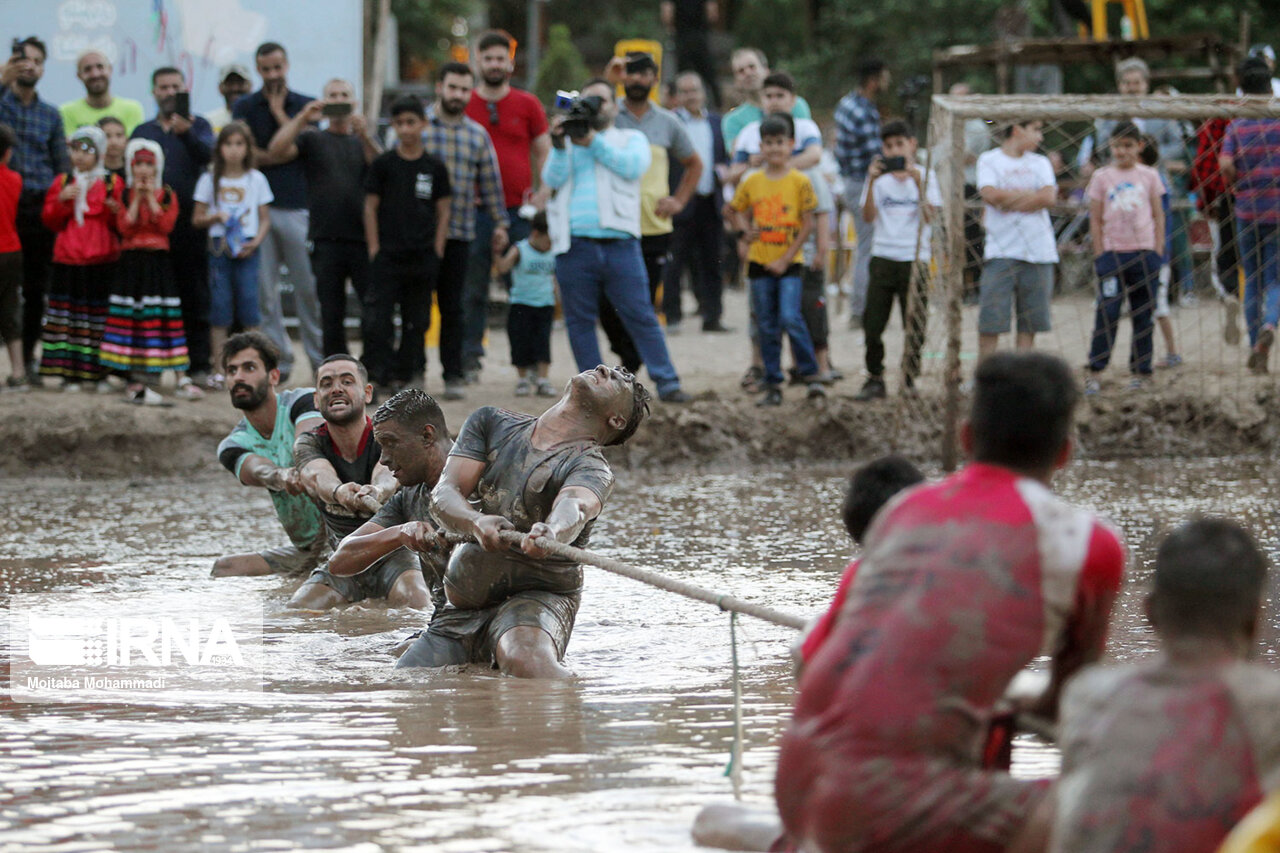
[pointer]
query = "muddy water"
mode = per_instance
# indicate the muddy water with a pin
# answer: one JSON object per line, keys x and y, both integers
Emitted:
{"x": 340, "y": 752}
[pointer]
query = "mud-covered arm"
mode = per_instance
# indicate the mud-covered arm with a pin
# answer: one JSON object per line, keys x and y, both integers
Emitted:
{"x": 573, "y": 508}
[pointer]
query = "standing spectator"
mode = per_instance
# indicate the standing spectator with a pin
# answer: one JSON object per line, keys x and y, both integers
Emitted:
{"x": 1250, "y": 164}
{"x": 1018, "y": 186}
{"x": 977, "y": 139}
{"x": 117, "y": 139}
{"x": 857, "y": 144}
{"x": 10, "y": 262}
{"x": 84, "y": 257}
{"x": 39, "y": 155}
{"x": 750, "y": 67}
{"x": 699, "y": 228}
{"x": 406, "y": 226}
{"x": 464, "y": 148}
{"x": 233, "y": 84}
{"x": 1126, "y": 227}
{"x": 336, "y": 162}
{"x": 232, "y": 201}
{"x": 533, "y": 307}
{"x": 690, "y": 21}
{"x": 94, "y": 71}
{"x": 517, "y": 127}
{"x": 187, "y": 143}
{"x": 1267, "y": 54}
{"x": 668, "y": 144}
{"x": 266, "y": 111}
{"x": 594, "y": 220}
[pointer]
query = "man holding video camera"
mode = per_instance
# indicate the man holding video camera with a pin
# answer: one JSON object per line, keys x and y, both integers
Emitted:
{"x": 334, "y": 161}
{"x": 594, "y": 218}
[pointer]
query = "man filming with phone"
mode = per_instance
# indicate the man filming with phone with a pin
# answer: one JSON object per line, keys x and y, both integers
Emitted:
{"x": 335, "y": 161}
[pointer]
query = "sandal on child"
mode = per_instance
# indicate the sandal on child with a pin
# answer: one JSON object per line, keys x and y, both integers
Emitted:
{"x": 189, "y": 390}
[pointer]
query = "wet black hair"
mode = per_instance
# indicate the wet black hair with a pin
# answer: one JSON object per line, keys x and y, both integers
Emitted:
{"x": 343, "y": 356}
{"x": 251, "y": 340}
{"x": 779, "y": 80}
{"x": 869, "y": 68}
{"x": 494, "y": 38}
{"x": 8, "y": 139}
{"x": 1254, "y": 76}
{"x": 1150, "y": 154}
{"x": 1023, "y": 403}
{"x": 1126, "y": 130}
{"x": 1209, "y": 579}
{"x": 270, "y": 47}
{"x": 777, "y": 124}
{"x": 871, "y": 487}
{"x": 639, "y": 408}
{"x": 408, "y": 104}
{"x": 454, "y": 68}
{"x": 897, "y": 127}
{"x": 414, "y": 408}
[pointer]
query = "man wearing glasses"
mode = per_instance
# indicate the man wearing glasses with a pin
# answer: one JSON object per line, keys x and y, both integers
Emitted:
{"x": 517, "y": 125}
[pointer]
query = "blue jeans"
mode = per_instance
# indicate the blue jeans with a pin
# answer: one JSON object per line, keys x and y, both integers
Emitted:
{"x": 778, "y": 308}
{"x": 233, "y": 290}
{"x": 1260, "y": 256}
{"x": 616, "y": 268}
{"x": 1125, "y": 275}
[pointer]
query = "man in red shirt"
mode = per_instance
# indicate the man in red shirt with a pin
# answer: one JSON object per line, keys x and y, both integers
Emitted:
{"x": 962, "y": 584}
{"x": 517, "y": 125}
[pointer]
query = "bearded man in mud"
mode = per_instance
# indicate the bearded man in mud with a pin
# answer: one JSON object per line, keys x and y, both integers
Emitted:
{"x": 546, "y": 476}
{"x": 259, "y": 452}
{"x": 340, "y": 470}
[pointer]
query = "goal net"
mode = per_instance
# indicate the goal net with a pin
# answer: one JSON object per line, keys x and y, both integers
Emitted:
{"x": 1202, "y": 373}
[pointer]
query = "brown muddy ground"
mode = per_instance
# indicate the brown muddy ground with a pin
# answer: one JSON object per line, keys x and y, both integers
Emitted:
{"x": 1209, "y": 406}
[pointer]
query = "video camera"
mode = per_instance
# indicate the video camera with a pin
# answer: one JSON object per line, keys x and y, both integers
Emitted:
{"x": 580, "y": 113}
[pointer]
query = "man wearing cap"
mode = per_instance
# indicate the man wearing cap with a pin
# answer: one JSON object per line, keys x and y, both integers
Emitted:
{"x": 1267, "y": 54}
{"x": 94, "y": 70}
{"x": 233, "y": 84}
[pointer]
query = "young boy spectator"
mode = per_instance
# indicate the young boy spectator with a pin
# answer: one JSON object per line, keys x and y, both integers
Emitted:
{"x": 775, "y": 207}
{"x": 1250, "y": 165}
{"x": 1018, "y": 186}
{"x": 1126, "y": 226}
{"x": 891, "y": 201}
{"x": 1167, "y": 755}
{"x": 777, "y": 95}
{"x": 10, "y": 263}
{"x": 1150, "y": 156}
{"x": 406, "y": 205}
{"x": 962, "y": 584}
{"x": 533, "y": 305}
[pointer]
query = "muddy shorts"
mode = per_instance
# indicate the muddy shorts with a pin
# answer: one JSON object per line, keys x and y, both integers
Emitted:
{"x": 471, "y": 636}
{"x": 374, "y": 582}
{"x": 291, "y": 560}
{"x": 477, "y": 578}
{"x": 1009, "y": 284}
{"x": 901, "y": 805}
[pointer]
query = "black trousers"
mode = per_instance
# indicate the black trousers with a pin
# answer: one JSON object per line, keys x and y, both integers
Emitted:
{"x": 451, "y": 285}
{"x": 332, "y": 263}
{"x": 189, "y": 255}
{"x": 890, "y": 281}
{"x": 405, "y": 280}
{"x": 695, "y": 246}
{"x": 656, "y": 250}
{"x": 1228, "y": 257}
{"x": 37, "y": 258}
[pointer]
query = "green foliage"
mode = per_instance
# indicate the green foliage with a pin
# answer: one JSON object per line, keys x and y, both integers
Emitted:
{"x": 562, "y": 66}
{"x": 424, "y": 27}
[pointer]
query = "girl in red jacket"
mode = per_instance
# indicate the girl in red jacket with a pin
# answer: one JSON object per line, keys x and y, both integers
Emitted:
{"x": 144, "y": 335}
{"x": 84, "y": 256}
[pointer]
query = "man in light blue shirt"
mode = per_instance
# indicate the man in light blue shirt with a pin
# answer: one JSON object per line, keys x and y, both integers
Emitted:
{"x": 594, "y": 219}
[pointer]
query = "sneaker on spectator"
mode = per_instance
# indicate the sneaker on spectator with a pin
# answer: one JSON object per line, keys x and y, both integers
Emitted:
{"x": 546, "y": 389}
{"x": 34, "y": 379}
{"x": 148, "y": 397}
{"x": 816, "y": 390}
{"x": 216, "y": 382}
{"x": 17, "y": 385}
{"x": 1137, "y": 383}
{"x": 1171, "y": 360}
{"x": 70, "y": 387}
{"x": 188, "y": 390}
{"x": 454, "y": 389}
{"x": 1092, "y": 386}
{"x": 772, "y": 397}
{"x": 873, "y": 389}
{"x": 674, "y": 396}
{"x": 524, "y": 387}
{"x": 753, "y": 379}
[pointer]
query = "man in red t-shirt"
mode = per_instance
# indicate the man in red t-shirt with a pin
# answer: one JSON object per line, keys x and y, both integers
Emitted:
{"x": 10, "y": 262}
{"x": 962, "y": 584}
{"x": 517, "y": 125}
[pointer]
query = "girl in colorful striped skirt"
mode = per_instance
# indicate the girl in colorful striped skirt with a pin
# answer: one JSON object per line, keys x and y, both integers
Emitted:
{"x": 84, "y": 256}
{"x": 144, "y": 335}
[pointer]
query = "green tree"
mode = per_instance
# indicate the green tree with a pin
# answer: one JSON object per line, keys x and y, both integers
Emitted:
{"x": 562, "y": 66}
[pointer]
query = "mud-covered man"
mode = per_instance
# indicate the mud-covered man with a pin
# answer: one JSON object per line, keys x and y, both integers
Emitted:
{"x": 544, "y": 476}
{"x": 340, "y": 469}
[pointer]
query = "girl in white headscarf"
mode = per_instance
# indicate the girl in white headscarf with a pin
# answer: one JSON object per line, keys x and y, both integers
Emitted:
{"x": 84, "y": 256}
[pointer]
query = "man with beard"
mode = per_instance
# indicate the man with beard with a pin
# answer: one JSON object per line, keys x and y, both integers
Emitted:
{"x": 464, "y": 148}
{"x": 94, "y": 70}
{"x": 41, "y": 154}
{"x": 668, "y": 142}
{"x": 339, "y": 468}
{"x": 259, "y": 452}
{"x": 234, "y": 84}
{"x": 546, "y": 476}
{"x": 517, "y": 126}
{"x": 750, "y": 67}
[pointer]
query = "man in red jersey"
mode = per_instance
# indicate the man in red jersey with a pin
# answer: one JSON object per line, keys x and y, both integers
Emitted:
{"x": 517, "y": 126}
{"x": 963, "y": 583}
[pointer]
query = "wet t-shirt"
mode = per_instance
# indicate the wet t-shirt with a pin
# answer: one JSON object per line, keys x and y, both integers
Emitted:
{"x": 413, "y": 503}
{"x": 318, "y": 444}
{"x": 1162, "y": 757}
{"x": 521, "y": 482}
{"x": 297, "y": 514}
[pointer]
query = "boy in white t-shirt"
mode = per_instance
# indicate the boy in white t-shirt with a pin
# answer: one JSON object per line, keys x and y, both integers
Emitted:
{"x": 777, "y": 95}
{"x": 891, "y": 199}
{"x": 1018, "y": 186}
